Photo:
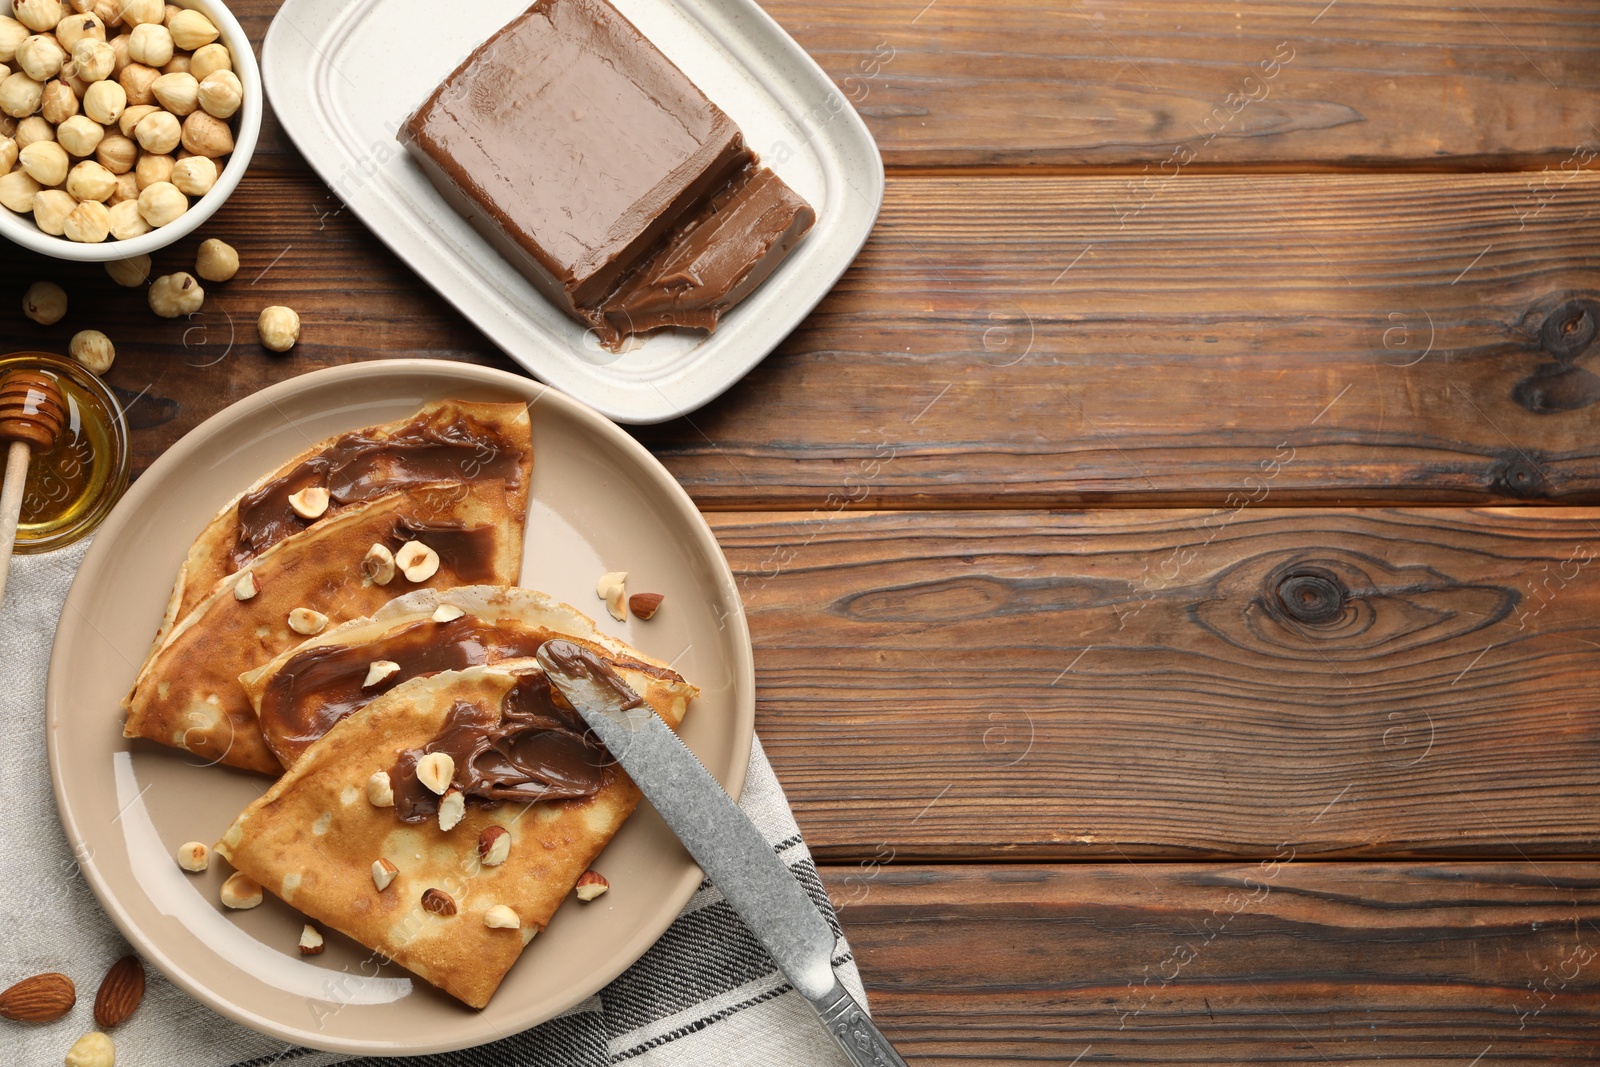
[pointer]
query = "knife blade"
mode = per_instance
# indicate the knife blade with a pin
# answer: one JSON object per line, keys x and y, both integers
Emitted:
{"x": 722, "y": 840}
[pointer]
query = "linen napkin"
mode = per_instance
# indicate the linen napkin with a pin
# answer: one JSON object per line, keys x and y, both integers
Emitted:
{"x": 706, "y": 994}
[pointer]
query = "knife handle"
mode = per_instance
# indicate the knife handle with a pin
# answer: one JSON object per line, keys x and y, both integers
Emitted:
{"x": 855, "y": 1031}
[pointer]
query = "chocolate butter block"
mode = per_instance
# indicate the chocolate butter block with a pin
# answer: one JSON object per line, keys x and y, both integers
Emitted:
{"x": 574, "y": 145}
{"x": 598, "y": 170}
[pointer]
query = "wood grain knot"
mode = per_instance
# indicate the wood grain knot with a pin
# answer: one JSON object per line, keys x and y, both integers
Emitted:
{"x": 1516, "y": 475}
{"x": 1566, "y": 334}
{"x": 32, "y": 409}
{"x": 1311, "y": 596}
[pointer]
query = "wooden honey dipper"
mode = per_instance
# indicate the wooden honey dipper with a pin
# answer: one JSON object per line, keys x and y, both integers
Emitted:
{"x": 32, "y": 412}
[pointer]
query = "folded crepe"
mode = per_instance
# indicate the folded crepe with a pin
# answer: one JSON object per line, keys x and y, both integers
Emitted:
{"x": 304, "y": 690}
{"x": 528, "y": 770}
{"x": 446, "y": 443}
{"x": 188, "y": 695}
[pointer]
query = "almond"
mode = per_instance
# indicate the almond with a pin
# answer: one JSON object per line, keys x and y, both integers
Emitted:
{"x": 591, "y": 885}
{"x": 609, "y": 588}
{"x": 645, "y": 605}
{"x": 438, "y": 901}
{"x": 40, "y": 999}
{"x": 494, "y": 845}
{"x": 452, "y": 809}
{"x": 311, "y": 941}
{"x": 121, "y": 990}
{"x": 383, "y": 873}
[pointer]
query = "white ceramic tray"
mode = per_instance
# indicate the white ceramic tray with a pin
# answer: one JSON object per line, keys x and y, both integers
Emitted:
{"x": 343, "y": 77}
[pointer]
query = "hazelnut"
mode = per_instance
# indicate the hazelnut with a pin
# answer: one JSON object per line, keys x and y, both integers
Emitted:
{"x": 34, "y": 128}
{"x": 89, "y": 223}
{"x": 494, "y": 845}
{"x": 129, "y": 273}
{"x": 435, "y": 771}
{"x": 158, "y": 132}
{"x": 40, "y": 57}
{"x": 380, "y": 791}
{"x": 191, "y": 30}
{"x": 119, "y": 54}
{"x": 438, "y": 902}
{"x": 417, "y": 561}
{"x": 609, "y": 588}
{"x": 247, "y": 586}
{"x": 140, "y": 12}
{"x": 20, "y": 95}
{"x": 172, "y": 295}
{"x": 150, "y": 44}
{"x": 90, "y": 181}
{"x": 240, "y": 892}
{"x": 50, "y": 210}
{"x": 590, "y": 885}
{"x": 126, "y": 222}
{"x": 452, "y": 809}
{"x": 80, "y": 135}
{"x": 310, "y": 502}
{"x": 127, "y": 189}
{"x": 178, "y": 93}
{"x": 45, "y": 161}
{"x": 378, "y": 670}
{"x": 278, "y": 326}
{"x": 128, "y": 121}
{"x": 58, "y": 103}
{"x": 446, "y": 613}
{"x": 193, "y": 856}
{"x": 105, "y": 101}
{"x": 645, "y": 605}
{"x": 221, "y": 94}
{"x": 206, "y": 135}
{"x": 311, "y": 941}
{"x": 138, "y": 80}
{"x": 39, "y": 16}
{"x": 74, "y": 28}
{"x": 117, "y": 153}
{"x": 307, "y": 622}
{"x": 94, "y": 60}
{"x": 216, "y": 261}
{"x": 93, "y": 350}
{"x": 12, "y": 33}
{"x": 500, "y": 917}
{"x": 160, "y": 204}
{"x": 8, "y": 153}
{"x": 377, "y": 566}
{"x": 210, "y": 59}
{"x": 93, "y": 1049}
{"x": 45, "y": 302}
{"x": 194, "y": 176}
{"x": 383, "y": 873}
{"x": 152, "y": 168}
{"x": 17, "y": 190}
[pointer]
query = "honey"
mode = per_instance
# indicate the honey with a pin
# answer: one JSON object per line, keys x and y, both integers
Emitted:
{"x": 72, "y": 487}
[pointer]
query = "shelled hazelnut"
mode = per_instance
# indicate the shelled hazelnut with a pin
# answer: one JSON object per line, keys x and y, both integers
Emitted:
{"x": 132, "y": 87}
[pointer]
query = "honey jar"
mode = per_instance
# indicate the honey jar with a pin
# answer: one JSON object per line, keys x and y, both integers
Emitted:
{"x": 73, "y": 487}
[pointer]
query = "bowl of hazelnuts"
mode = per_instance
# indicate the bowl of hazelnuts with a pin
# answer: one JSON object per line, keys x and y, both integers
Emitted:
{"x": 124, "y": 124}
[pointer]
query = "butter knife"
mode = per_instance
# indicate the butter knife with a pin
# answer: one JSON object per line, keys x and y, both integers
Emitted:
{"x": 722, "y": 840}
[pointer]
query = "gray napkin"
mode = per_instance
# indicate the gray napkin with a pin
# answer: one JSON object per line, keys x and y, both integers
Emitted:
{"x": 705, "y": 995}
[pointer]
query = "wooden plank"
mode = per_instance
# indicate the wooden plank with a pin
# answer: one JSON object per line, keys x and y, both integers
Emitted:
{"x": 1355, "y": 83}
{"x": 1282, "y": 962}
{"x": 1019, "y": 341}
{"x": 1379, "y": 326}
{"x": 1164, "y": 683}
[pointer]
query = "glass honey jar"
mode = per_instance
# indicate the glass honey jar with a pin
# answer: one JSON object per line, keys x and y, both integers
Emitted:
{"x": 72, "y": 488}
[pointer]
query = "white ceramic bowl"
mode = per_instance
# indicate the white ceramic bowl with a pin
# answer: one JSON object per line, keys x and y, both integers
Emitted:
{"x": 21, "y": 230}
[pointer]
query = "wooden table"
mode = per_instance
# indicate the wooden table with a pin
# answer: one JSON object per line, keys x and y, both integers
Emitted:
{"x": 1171, "y": 549}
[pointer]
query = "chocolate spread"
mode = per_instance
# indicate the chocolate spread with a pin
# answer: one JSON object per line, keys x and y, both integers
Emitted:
{"x": 583, "y": 154}
{"x": 358, "y": 467}
{"x": 537, "y": 750}
{"x": 319, "y": 686}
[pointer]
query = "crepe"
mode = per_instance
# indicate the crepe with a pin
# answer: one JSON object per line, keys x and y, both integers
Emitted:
{"x": 188, "y": 695}
{"x": 303, "y": 691}
{"x": 313, "y": 838}
{"x": 446, "y": 443}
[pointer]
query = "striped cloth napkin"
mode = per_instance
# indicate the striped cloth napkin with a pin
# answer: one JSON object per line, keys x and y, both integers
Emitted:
{"x": 705, "y": 995}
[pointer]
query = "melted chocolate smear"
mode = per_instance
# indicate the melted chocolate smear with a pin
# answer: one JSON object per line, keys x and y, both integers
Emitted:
{"x": 319, "y": 686}
{"x": 537, "y": 751}
{"x": 358, "y": 467}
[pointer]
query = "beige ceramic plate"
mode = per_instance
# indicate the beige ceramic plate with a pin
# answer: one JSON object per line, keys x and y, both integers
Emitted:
{"x": 600, "y": 502}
